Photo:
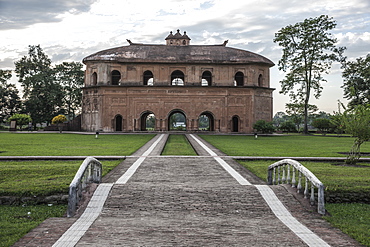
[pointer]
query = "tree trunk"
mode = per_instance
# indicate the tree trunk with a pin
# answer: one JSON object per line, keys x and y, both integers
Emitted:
{"x": 355, "y": 154}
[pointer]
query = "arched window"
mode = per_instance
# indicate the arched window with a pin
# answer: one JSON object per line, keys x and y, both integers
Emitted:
{"x": 239, "y": 79}
{"x": 207, "y": 78}
{"x": 148, "y": 78}
{"x": 177, "y": 78}
{"x": 94, "y": 78}
{"x": 260, "y": 80}
{"x": 116, "y": 77}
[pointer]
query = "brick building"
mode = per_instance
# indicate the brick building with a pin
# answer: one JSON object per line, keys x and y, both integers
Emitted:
{"x": 125, "y": 85}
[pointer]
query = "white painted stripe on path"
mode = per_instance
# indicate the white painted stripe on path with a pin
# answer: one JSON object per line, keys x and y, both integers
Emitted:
{"x": 128, "y": 174}
{"x": 241, "y": 180}
{"x": 277, "y": 207}
{"x": 95, "y": 206}
{"x": 92, "y": 211}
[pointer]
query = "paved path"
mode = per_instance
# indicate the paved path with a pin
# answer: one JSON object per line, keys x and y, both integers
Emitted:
{"x": 150, "y": 200}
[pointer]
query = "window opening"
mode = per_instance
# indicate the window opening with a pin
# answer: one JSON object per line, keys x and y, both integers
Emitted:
{"x": 206, "y": 78}
{"x": 239, "y": 79}
{"x": 148, "y": 78}
{"x": 94, "y": 78}
{"x": 177, "y": 78}
{"x": 116, "y": 77}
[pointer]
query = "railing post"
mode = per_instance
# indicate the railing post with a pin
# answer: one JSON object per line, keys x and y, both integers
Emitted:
{"x": 269, "y": 176}
{"x": 321, "y": 200}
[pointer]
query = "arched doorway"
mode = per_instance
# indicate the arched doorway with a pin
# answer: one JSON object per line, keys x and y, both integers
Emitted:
{"x": 118, "y": 123}
{"x": 177, "y": 120}
{"x": 147, "y": 121}
{"x": 235, "y": 124}
{"x": 206, "y": 122}
{"x": 177, "y": 78}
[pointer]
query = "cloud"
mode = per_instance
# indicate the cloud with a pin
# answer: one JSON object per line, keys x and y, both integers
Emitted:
{"x": 18, "y": 14}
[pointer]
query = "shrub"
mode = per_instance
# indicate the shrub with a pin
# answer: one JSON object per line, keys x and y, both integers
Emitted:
{"x": 263, "y": 126}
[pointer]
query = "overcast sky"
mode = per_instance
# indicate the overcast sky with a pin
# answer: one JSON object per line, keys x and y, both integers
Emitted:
{"x": 69, "y": 30}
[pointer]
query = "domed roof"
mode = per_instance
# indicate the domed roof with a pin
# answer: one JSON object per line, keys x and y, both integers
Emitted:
{"x": 190, "y": 54}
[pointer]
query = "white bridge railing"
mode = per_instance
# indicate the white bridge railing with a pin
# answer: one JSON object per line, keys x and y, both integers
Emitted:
{"x": 90, "y": 171}
{"x": 290, "y": 171}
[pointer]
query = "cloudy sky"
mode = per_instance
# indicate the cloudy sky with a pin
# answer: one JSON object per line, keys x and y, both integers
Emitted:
{"x": 69, "y": 30}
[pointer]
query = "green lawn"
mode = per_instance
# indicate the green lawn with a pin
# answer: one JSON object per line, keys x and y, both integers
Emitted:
{"x": 41, "y": 178}
{"x": 352, "y": 218}
{"x": 45, "y": 144}
{"x": 16, "y": 221}
{"x": 178, "y": 145}
{"x": 285, "y": 145}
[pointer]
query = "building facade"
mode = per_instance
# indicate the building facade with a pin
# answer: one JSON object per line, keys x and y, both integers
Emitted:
{"x": 124, "y": 86}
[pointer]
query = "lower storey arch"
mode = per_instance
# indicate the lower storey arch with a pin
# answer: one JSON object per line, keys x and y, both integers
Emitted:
{"x": 206, "y": 121}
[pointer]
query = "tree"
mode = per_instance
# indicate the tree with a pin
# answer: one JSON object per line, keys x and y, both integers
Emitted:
{"x": 308, "y": 52}
{"x": 356, "y": 77}
{"x": 279, "y": 118}
{"x": 59, "y": 120}
{"x": 322, "y": 124}
{"x": 356, "y": 122}
{"x": 71, "y": 78}
{"x": 296, "y": 112}
{"x": 43, "y": 96}
{"x": 263, "y": 126}
{"x": 288, "y": 126}
{"x": 21, "y": 119}
{"x": 10, "y": 102}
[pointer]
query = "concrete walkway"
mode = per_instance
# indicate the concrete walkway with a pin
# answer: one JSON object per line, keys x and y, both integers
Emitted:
{"x": 206, "y": 200}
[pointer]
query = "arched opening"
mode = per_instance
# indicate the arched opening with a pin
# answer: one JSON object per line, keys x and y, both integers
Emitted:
{"x": 239, "y": 79}
{"x": 177, "y": 120}
{"x": 206, "y": 122}
{"x": 260, "y": 80}
{"x": 148, "y": 78}
{"x": 177, "y": 78}
{"x": 235, "y": 124}
{"x": 94, "y": 78}
{"x": 118, "y": 123}
{"x": 147, "y": 121}
{"x": 207, "y": 78}
{"x": 116, "y": 77}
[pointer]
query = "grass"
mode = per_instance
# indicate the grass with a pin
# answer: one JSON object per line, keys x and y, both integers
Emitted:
{"x": 178, "y": 145}
{"x": 40, "y": 178}
{"x": 286, "y": 145}
{"x": 16, "y": 221}
{"x": 352, "y": 218}
{"x": 51, "y": 144}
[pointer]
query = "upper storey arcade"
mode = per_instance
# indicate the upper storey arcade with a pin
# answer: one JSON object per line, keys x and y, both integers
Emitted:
{"x": 177, "y": 63}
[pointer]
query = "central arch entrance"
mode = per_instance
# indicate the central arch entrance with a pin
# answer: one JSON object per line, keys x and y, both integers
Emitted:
{"x": 177, "y": 120}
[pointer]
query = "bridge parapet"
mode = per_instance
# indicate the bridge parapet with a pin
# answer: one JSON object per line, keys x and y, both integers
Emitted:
{"x": 90, "y": 171}
{"x": 286, "y": 171}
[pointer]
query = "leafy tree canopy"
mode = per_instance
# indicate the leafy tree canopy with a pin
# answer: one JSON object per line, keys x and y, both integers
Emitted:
{"x": 356, "y": 77}
{"x": 21, "y": 119}
{"x": 10, "y": 102}
{"x": 308, "y": 52}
